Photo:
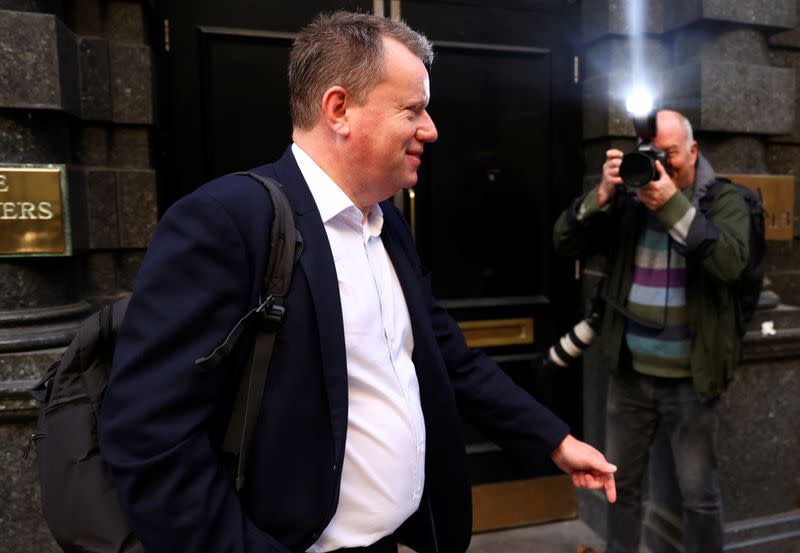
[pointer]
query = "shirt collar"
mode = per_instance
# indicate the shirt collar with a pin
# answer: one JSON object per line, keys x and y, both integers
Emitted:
{"x": 330, "y": 198}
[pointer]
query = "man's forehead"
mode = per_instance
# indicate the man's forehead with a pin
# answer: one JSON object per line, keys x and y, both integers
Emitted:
{"x": 670, "y": 129}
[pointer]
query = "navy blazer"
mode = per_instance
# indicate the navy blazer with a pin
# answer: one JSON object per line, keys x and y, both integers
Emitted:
{"x": 162, "y": 418}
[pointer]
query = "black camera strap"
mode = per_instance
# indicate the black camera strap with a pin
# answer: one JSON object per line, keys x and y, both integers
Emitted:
{"x": 628, "y": 314}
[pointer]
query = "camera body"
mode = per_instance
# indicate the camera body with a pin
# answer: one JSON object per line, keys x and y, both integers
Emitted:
{"x": 639, "y": 166}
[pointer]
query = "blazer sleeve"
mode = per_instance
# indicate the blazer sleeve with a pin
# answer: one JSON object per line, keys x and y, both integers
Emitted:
{"x": 484, "y": 394}
{"x": 155, "y": 427}
{"x": 491, "y": 401}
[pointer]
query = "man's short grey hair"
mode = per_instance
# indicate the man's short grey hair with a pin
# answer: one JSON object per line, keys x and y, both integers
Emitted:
{"x": 343, "y": 49}
{"x": 687, "y": 128}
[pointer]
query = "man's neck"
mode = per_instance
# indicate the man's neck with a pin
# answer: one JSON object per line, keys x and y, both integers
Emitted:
{"x": 328, "y": 161}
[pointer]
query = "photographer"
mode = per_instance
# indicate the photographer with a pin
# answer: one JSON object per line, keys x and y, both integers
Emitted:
{"x": 668, "y": 334}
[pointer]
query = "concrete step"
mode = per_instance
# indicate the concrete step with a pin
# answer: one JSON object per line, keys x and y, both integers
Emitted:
{"x": 571, "y": 536}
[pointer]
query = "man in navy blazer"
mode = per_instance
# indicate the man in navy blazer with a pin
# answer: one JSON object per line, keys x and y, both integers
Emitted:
{"x": 358, "y": 443}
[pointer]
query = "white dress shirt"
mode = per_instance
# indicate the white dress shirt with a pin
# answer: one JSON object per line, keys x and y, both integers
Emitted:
{"x": 384, "y": 460}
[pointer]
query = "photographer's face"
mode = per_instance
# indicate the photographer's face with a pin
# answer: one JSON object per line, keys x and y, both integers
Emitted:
{"x": 672, "y": 139}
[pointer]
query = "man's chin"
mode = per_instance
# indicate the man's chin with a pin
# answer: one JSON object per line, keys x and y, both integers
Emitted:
{"x": 409, "y": 182}
{"x": 403, "y": 186}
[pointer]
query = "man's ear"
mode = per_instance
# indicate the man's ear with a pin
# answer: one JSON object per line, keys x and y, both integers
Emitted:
{"x": 334, "y": 110}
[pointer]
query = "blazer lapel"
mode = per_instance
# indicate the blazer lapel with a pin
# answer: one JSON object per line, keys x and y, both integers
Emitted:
{"x": 320, "y": 272}
{"x": 404, "y": 269}
{"x": 411, "y": 282}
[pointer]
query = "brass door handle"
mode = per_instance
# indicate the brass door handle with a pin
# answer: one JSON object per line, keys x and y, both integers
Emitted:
{"x": 412, "y": 212}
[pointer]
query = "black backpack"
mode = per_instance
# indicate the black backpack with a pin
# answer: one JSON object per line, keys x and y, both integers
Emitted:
{"x": 79, "y": 501}
{"x": 752, "y": 280}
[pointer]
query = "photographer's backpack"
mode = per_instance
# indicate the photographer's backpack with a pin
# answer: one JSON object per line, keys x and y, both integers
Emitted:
{"x": 79, "y": 501}
{"x": 752, "y": 280}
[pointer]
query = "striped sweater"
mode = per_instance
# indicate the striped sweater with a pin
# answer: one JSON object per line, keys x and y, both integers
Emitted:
{"x": 658, "y": 293}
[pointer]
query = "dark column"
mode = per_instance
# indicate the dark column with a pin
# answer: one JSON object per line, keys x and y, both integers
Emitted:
{"x": 76, "y": 89}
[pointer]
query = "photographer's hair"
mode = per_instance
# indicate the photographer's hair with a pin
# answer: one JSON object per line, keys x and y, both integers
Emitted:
{"x": 344, "y": 49}
{"x": 687, "y": 128}
{"x": 686, "y": 124}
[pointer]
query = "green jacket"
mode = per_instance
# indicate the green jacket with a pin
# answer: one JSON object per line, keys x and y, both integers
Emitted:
{"x": 716, "y": 253}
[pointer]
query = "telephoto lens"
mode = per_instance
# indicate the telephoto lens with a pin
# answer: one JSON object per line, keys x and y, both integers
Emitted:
{"x": 572, "y": 344}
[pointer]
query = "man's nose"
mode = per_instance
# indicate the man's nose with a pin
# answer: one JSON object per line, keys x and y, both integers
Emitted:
{"x": 427, "y": 130}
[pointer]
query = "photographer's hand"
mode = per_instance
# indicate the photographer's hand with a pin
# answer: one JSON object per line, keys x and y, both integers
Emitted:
{"x": 611, "y": 179}
{"x": 656, "y": 193}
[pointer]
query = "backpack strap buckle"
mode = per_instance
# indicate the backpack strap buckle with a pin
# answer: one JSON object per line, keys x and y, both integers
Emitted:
{"x": 272, "y": 313}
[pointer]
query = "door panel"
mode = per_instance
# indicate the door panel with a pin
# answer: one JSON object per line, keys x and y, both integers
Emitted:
{"x": 493, "y": 110}
{"x": 244, "y": 87}
{"x": 225, "y": 85}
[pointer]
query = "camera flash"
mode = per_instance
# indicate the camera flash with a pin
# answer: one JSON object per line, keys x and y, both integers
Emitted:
{"x": 639, "y": 103}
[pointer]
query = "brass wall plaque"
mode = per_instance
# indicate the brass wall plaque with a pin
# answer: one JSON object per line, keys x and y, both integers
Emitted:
{"x": 34, "y": 218}
{"x": 777, "y": 193}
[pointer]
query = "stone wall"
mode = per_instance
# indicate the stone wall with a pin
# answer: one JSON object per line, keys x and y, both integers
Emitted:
{"x": 76, "y": 88}
{"x": 731, "y": 66}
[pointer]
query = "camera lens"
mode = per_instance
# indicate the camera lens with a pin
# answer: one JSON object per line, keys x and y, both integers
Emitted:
{"x": 637, "y": 169}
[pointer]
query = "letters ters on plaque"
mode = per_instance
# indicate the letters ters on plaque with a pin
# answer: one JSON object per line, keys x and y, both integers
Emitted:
{"x": 34, "y": 211}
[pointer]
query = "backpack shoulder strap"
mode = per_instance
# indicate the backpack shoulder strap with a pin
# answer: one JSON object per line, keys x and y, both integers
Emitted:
{"x": 96, "y": 361}
{"x": 111, "y": 316}
{"x": 711, "y": 193}
{"x": 286, "y": 244}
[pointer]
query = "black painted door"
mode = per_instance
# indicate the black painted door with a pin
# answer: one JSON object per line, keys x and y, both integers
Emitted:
{"x": 506, "y": 162}
{"x": 224, "y": 86}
